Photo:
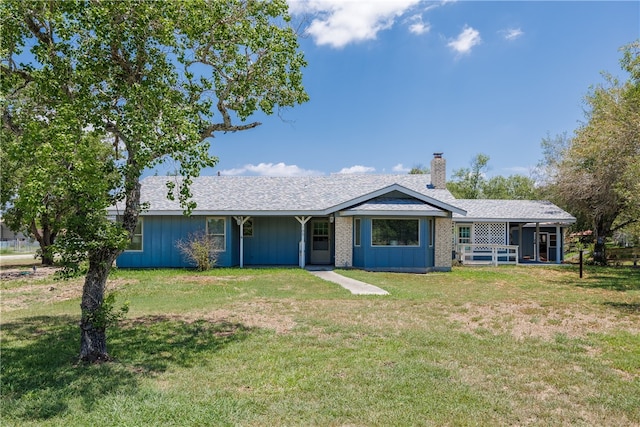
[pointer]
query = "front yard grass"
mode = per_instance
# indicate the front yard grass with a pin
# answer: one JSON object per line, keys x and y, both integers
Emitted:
{"x": 477, "y": 346}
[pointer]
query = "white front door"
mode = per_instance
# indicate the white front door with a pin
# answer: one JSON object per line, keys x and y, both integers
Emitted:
{"x": 320, "y": 241}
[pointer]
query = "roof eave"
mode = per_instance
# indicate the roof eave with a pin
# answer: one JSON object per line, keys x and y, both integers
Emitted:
{"x": 523, "y": 220}
{"x": 394, "y": 213}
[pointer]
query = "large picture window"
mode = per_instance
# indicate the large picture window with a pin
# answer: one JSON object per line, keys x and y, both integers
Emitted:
{"x": 216, "y": 232}
{"x": 395, "y": 232}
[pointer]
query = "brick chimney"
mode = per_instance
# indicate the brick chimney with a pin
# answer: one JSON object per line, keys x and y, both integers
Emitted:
{"x": 438, "y": 172}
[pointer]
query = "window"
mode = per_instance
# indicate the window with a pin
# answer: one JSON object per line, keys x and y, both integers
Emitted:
{"x": 216, "y": 232}
{"x": 395, "y": 232}
{"x": 247, "y": 228}
{"x": 553, "y": 240}
{"x": 136, "y": 239}
{"x": 464, "y": 234}
{"x": 357, "y": 234}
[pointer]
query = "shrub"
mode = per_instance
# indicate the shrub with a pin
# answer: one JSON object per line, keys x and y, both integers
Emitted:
{"x": 200, "y": 250}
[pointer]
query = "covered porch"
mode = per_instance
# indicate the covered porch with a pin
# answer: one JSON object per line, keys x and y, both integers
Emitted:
{"x": 493, "y": 243}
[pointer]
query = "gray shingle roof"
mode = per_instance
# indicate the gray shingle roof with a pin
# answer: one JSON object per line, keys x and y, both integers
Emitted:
{"x": 512, "y": 210}
{"x": 269, "y": 195}
{"x": 318, "y": 195}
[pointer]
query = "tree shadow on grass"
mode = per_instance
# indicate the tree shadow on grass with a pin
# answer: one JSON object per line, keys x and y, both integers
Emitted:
{"x": 616, "y": 279}
{"x": 625, "y": 307}
{"x": 41, "y": 376}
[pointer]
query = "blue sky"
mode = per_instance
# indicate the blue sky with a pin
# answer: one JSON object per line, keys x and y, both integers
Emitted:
{"x": 392, "y": 81}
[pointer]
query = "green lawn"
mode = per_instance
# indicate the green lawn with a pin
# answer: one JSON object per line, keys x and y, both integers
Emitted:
{"x": 477, "y": 346}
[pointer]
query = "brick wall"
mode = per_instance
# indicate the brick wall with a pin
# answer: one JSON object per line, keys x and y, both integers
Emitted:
{"x": 344, "y": 241}
{"x": 439, "y": 173}
{"x": 444, "y": 244}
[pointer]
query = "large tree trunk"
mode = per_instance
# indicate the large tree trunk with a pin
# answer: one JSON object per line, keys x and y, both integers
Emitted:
{"x": 602, "y": 228}
{"x": 93, "y": 328}
{"x": 93, "y": 338}
{"x": 45, "y": 238}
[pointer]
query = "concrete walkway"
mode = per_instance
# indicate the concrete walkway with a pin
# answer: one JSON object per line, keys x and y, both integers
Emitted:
{"x": 355, "y": 286}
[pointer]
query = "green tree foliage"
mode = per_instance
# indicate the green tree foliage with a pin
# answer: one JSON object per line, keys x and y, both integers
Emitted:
{"x": 48, "y": 167}
{"x": 151, "y": 82}
{"x": 419, "y": 170}
{"x": 467, "y": 182}
{"x": 513, "y": 187}
{"x": 597, "y": 173}
{"x": 472, "y": 183}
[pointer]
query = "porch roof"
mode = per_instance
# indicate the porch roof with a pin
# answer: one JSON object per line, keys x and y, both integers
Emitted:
{"x": 520, "y": 211}
{"x": 308, "y": 195}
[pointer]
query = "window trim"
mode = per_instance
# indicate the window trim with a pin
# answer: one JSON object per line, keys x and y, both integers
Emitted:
{"x": 224, "y": 230}
{"x": 419, "y": 244}
{"x": 141, "y": 234}
{"x": 470, "y": 227}
{"x": 432, "y": 231}
{"x": 357, "y": 232}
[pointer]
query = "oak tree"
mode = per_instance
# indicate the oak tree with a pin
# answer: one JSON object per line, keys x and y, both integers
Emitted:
{"x": 597, "y": 176}
{"x": 154, "y": 81}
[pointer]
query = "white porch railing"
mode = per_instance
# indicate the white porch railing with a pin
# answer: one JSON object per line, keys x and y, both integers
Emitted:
{"x": 483, "y": 254}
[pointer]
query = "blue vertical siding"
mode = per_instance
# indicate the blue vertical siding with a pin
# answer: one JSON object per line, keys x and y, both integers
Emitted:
{"x": 160, "y": 235}
{"x": 274, "y": 242}
{"x": 419, "y": 258}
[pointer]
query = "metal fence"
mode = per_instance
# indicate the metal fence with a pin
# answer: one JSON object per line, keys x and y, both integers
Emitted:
{"x": 19, "y": 245}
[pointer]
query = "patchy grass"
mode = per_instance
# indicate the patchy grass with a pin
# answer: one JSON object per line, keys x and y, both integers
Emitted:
{"x": 478, "y": 346}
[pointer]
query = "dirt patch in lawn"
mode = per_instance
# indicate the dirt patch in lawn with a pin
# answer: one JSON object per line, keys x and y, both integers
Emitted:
{"x": 532, "y": 320}
{"x": 267, "y": 314}
{"x": 26, "y": 273}
{"x": 29, "y": 291}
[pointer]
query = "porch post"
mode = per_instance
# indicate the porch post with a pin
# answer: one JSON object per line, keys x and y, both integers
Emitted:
{"x": 240, "y": 220}
{"x": 558, "y": 244}
{"x": 537, "y": 243}
{"x": 302, "y": 245}
{"x": 520, "y": 245}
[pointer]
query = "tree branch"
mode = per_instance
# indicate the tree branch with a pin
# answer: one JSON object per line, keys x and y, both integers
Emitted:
{"x": 624, "y": 224}
{"x": 223, "y": 127}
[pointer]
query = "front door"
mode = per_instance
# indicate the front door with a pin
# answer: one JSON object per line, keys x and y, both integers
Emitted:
{"x": 320, "y": 241}
{"x": 543, "y": 245}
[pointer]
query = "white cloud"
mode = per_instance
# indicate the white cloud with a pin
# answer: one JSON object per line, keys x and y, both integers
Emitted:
{"x": 511, "y": 33}
{"x": 339, "y": 22}
{"x": 270, "y": 169}
{"x": 400, "y": 168}
{"x": 357, "y": 169}
{"x": 467, "y": 39}
{"x": 417, "y": 25}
